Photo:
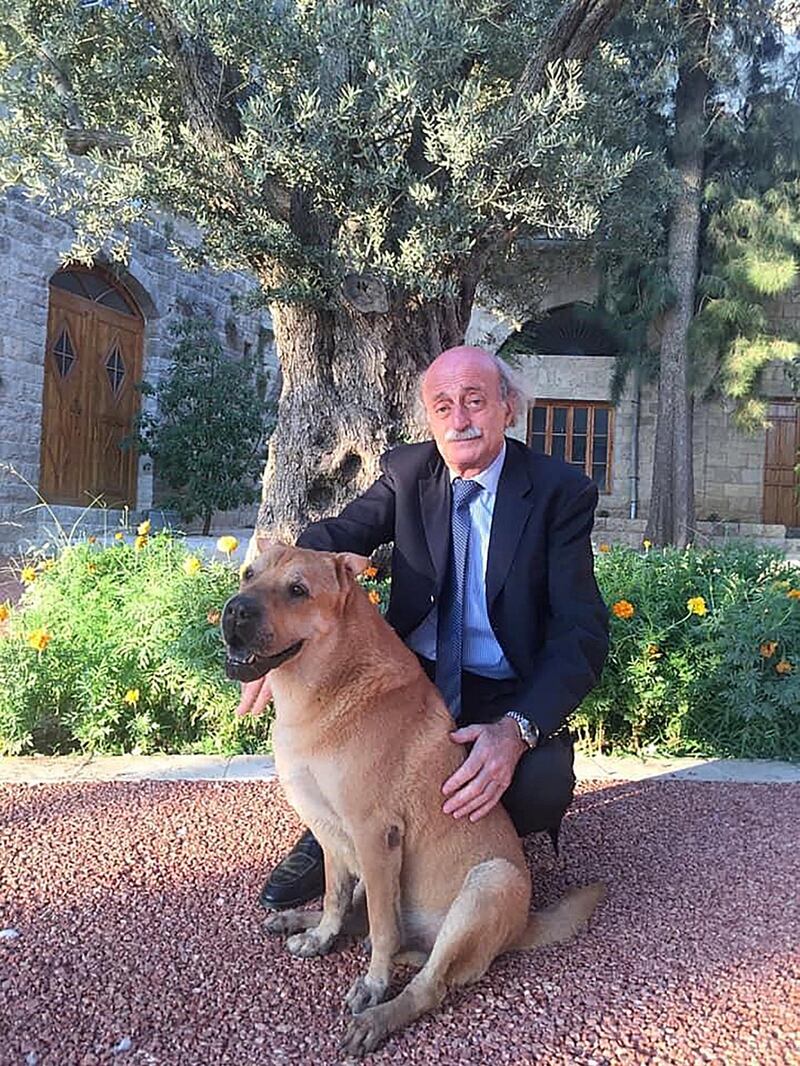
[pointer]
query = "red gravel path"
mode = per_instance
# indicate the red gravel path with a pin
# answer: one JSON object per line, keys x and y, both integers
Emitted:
{"x": 138, "y": 931}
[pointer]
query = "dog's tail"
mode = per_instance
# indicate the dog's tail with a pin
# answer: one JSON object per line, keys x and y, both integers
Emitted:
{"x": 562, "y": 920}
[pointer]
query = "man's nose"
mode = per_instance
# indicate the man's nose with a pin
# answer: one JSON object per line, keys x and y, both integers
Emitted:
{"x": 240, "y": 619}
{"x": 460, "y": 416}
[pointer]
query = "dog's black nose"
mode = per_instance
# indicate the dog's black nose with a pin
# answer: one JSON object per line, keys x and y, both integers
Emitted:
{"x": 240, "y": 619}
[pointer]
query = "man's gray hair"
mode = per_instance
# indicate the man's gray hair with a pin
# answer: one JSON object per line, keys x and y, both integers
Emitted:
{"x": 512, "y": 389}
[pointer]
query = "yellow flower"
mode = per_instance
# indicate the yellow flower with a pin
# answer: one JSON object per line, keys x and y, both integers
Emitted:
{"x": 374, "y": 597}
{"x": 28, "y": 575}
{"x": 143, "y": 528}
{"x": 119, "y": 536}
{"x": 653, "y": 651}
{"x": 131, "y": 697}
{"x": 213, "y": 617}
{"x": 369, "y": 572}
{"x": 647, "y": 544}
{"x": 5, "y": 612}
{"x": 91, "y": 568}
{"x": 192, "y": 565}
{"x": 783, "y": 667}
{"x": 227, "y": 544}
{"x": 92, "y": 539}
{"x": 623, "y": 609}
{"x": 140, "y": 541}
{"x": 768, "y": 648}
{"x": 793, "y": 594}
{"x": 48, "y": 564}
{"x": 696, "y": 605}
{"x": 39, "y": 639}
{"x": 604, "y": 548}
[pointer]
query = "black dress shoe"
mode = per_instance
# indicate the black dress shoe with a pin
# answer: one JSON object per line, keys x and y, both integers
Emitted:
{"x": 298, "y": 878}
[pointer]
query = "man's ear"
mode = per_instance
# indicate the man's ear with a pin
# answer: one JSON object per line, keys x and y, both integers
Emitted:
{"x": 354, "y": 564}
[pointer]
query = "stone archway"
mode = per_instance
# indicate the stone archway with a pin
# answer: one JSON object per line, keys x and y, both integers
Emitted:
{"x": 93, "y": 361}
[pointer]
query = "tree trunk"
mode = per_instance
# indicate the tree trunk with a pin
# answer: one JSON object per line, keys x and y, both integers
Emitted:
{"x": 207, "y": 522}
{"x": 348, "y": 385}
{"x": 671, "y": 518}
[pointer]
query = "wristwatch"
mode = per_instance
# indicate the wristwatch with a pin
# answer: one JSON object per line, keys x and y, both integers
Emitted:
{"x": 528, "y": 731}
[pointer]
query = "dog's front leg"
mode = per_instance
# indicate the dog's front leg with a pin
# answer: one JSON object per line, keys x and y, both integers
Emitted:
{"x": 338, "y": 896}
{"x": 380, "y": 856}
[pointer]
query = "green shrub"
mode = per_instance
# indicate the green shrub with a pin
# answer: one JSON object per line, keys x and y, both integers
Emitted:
{"x": 129, "y": 655}
{"x": 723, "y": 682}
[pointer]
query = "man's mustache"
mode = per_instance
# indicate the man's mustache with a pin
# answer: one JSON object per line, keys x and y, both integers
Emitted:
{"x": 463, "y": 434}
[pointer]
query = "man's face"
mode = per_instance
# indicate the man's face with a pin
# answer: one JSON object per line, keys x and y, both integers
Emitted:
{"x": 466, "y": 415}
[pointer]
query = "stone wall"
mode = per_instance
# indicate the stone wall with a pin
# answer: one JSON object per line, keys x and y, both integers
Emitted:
{"x": 32, "y": 244}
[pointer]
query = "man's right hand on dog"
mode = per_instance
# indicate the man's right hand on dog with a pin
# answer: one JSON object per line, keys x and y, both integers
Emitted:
{"x": 255, "y": 696}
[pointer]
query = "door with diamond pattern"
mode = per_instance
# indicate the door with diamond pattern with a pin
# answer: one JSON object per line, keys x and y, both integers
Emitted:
{"x": 93, "y": 361}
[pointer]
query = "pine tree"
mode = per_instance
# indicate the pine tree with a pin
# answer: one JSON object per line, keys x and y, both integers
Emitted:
{"x": 363, "y": 160}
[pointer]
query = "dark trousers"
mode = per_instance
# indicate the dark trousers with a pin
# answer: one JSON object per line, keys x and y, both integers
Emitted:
{"x": 543, "y": 783}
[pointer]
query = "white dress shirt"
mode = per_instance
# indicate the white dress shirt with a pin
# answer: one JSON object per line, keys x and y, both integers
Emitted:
{"x": 481, "y": 654}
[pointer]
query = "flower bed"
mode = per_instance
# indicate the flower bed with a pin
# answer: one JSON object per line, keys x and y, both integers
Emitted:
{"x": 117, "y": 648}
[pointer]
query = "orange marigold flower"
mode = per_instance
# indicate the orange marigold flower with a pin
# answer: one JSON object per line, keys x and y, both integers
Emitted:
{"x": 793, "y": 594}
{"x": 768, "y": 648}
{"x": 5, "y": 612}
{"x": 623, "y": 609}
{"x": 39, "y": 639}
{"x": 369, "y": 571}
{"x": 374, "y": 597}
{"x": 604, "y": 547}
{"x": 696, "y": 605}
{"x": 653, "y": 651}
{"x": 28, "y": 575}
{"x": 213, "y": 617}
{"x": 92, "y": 539}
{"x": 783, "y": 667}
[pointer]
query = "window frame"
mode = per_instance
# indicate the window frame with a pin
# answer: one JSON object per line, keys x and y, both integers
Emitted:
{"x": 549, "y": 406}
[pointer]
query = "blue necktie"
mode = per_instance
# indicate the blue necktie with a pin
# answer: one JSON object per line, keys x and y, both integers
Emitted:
{"x": 450, "y": 634}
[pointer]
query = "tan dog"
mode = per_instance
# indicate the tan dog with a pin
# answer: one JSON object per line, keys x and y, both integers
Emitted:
{"x": 362, "y": 750}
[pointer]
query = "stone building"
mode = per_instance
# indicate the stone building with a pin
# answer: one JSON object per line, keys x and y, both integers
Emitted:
{"x": 745, "y": 484}
{"x": 73, "y": 344}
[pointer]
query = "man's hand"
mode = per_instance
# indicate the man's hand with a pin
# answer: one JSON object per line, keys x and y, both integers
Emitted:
{"x": 254, "y": 697}
{"x": 486, "y": 773}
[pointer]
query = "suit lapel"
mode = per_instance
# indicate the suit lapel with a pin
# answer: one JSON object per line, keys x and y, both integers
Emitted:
{"x": 434, "y": 501}
{"x": 511, "y": 509}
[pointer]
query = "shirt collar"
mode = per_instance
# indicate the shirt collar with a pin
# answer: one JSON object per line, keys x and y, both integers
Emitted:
{"x": 488, "y": 479}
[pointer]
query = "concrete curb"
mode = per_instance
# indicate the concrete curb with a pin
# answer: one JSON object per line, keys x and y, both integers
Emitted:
{"x": 38, "y": 769}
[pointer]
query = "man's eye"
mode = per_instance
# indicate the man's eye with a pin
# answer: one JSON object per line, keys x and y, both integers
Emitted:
{"x": 296, "y": 591}
{"x": 442, "y": 411}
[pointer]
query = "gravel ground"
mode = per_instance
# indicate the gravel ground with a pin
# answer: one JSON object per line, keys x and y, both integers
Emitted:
{"x": 138, "y": 940}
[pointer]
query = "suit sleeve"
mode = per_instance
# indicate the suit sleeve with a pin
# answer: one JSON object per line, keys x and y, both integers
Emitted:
{"x": 364, "y": 524}
{"x": 569, "y": 664}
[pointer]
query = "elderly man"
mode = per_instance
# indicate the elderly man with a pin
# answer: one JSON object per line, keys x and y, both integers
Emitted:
{"x": 492, "y": 586}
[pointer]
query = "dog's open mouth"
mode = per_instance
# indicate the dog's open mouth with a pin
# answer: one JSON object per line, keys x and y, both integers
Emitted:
{"x": 249, "y": 667}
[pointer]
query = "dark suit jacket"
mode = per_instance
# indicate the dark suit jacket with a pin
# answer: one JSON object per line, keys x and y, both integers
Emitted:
{"x": 544, "y": 604}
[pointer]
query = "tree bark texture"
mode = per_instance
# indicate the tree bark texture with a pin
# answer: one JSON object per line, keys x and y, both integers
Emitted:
{"x": 348, "y": 384}
{"x": 671, "y": 518}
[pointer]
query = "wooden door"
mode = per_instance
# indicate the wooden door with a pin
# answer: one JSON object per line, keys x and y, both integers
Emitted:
{"x": 93, "y": 360}
{"x": 781, "y": 502}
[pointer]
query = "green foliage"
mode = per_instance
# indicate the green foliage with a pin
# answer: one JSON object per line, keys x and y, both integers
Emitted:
{"x": 209, "y": 428}
{"x": 306, "y": 140}
{"x": 726, "y": 682}
{"x": 134, "y": 659}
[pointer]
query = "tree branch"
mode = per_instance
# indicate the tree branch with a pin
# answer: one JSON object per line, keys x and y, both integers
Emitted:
{"x": 573, "y": 34}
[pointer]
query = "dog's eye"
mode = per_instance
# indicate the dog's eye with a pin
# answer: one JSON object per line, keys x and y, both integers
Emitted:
{"x": 297, "y": 591}
{"x": 247, "y": 573}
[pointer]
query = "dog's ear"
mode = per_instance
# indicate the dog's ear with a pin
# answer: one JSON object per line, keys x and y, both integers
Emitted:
{"x": 257, "y": 545}
{"x": 352, "y": 563}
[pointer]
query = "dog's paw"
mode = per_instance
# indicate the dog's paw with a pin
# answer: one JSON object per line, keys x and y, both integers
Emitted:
{"x": 365, "y": 1033}
{"x": 365, "y": 992}
{"x": 308, "y": 944}
{"x": 282, "y": 923}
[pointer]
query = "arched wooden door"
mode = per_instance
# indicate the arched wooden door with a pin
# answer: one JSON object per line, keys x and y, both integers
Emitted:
{"x": 92, "y": 364}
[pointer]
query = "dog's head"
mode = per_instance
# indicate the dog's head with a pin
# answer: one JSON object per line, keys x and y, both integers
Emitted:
{"x": 287, "y": 597}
